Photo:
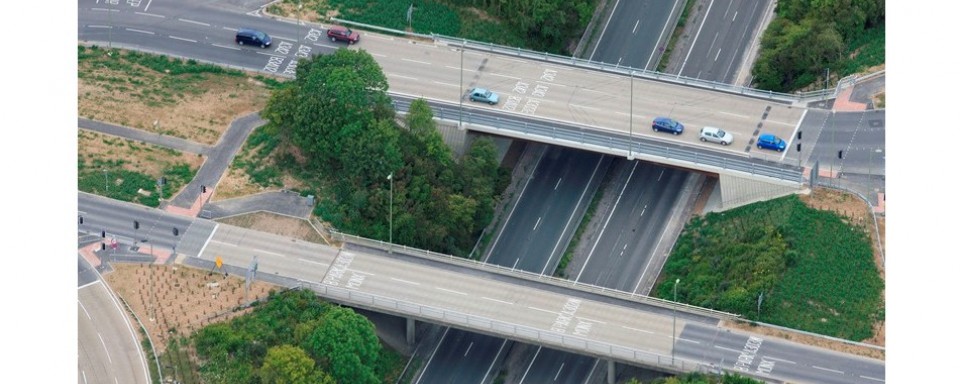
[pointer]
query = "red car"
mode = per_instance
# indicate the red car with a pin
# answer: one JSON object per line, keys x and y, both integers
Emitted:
{"x": 336, "y": 33}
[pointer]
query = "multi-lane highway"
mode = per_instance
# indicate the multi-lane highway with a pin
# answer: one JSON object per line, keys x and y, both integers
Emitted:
{"x": 598, "y": 100}
{"x": 478, "y": 74}
{"x": 445, "y": 293}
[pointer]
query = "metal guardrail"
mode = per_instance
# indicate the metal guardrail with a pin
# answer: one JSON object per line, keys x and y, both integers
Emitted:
{"x": 622, "y": 70}
{"x": 503, "y": 328}
{"x": 608, "y": 141}
{"x": 554, "y": 281}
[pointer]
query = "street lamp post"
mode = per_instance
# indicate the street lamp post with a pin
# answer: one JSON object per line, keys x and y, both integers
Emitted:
{"x": 106, "y": 182}
{"x": 299, "y": 6}
{"x": 673, "y": 352}
{"x": 630, "y": 143}
{"x": 462, "y": 45}
{"x": 390, "y": 177}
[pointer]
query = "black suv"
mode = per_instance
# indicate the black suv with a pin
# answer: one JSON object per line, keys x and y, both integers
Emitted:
{"x": 246, "y": 36}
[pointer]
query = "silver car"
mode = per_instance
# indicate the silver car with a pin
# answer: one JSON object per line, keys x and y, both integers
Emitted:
{"x": 716, "y": 135}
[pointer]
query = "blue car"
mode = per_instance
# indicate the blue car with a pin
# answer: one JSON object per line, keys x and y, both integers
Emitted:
{"x": 667, "y": 124}
{"x": 770, "y": 141}
{"x": 484, "y": 95}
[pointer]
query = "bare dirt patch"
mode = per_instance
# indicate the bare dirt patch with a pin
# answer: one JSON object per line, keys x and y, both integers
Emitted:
{"x": 308, "y": 12}
{"x": 175, "y": 301}
{"x": 196, "y": 107}
{"x": 276, "y": 224}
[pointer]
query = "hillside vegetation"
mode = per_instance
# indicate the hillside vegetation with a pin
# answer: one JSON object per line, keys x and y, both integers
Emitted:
{"x": 815, "y": 270}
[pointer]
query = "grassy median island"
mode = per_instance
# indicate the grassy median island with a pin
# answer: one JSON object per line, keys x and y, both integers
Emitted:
{"x": 814, "y": 267}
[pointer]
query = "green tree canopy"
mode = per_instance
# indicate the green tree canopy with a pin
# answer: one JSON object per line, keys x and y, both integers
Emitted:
{"x": 348, "y": 345}
{"x": 288, "y": 364}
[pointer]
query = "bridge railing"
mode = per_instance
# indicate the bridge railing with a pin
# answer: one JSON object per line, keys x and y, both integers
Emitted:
{"x": 509, "y": 330}
{"x": 609, "y": 141}
{"x": 521, "y": 274}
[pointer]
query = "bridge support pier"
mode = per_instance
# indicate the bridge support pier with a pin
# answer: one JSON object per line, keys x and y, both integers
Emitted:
{"x": 611, "y": 372}
{"x": 411, "y": 331}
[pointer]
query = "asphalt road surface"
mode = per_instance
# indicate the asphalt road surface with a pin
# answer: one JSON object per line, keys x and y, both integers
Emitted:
{"x": 722, "y": 39}
{"x": 636, "y": 33}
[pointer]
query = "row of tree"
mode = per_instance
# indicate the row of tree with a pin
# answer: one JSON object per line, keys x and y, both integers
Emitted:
{"x": 338, "y": 120}
{"x": 292, "y": 338}
{"x": 809, "y": 36}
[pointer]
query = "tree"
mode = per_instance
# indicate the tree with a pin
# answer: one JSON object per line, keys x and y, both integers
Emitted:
{"x": 287, "y": 364}
{"x": 347, "y": 345}
{"x": 332, "y": 97}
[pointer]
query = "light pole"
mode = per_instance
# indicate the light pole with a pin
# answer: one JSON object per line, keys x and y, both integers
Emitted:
{"x": 630, "y": 143}
{"x": 462, "y": 45}
{"x": 299, "y": 6}
{"x": 106, "y": 182}
{"x": 673, "y": 352}
{"x": 390, "y": 177}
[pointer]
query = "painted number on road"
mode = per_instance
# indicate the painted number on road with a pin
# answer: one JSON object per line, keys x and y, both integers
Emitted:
{"x": 748, "y": 353}
{"x": 563, "y": 319}
{"x": 313, "y": 35}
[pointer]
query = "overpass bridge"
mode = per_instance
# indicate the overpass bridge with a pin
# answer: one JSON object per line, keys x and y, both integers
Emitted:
{"x": 422, "y": 286}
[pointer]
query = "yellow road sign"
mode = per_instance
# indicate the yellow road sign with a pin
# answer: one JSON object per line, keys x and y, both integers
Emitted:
{"x": 219, "y": 262}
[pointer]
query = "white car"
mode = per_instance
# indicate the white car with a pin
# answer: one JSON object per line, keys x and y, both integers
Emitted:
{"x": 716, "y": 135}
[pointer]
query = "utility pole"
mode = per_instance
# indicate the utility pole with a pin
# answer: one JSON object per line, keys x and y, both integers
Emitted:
{"x": 390, "y": 177}
{"x": 630, "y": 143}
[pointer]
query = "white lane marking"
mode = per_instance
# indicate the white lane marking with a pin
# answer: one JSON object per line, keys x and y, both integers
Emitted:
{"x": 727, "y": 349}
{"x": 87, "y": 285}
{"x": 148, "y": 5}
{"x": 447, "y": 84}
{"x": 141, "y": 31}
{"x": 531, "y": 365}
{"x": 584, "y": 107}
{"x": 572, "y": 214}
{"x": 591, "y": 320}
{"x": 495, "y": 360}
{"x": 609, "y": 216}
{"x": 663, "y": 31}
{"x": 465, "y": 353}
{"x": 637, "y": 329}
{"x": 84, "y": 376}
{"x": 271, "y": 55}
{"x": 85, "y": 310}
{"x": 555, "y": 377}
{"x": 311, "y": 261}
{"x": 100, "y": 26}
{"x": 604, "y": 30}
{"x": 194, "y": 22}
{"x": 537, "y": 224}
{"x": 434, "y": 353}
{"x": 452, "y": 291}
{"x": 458, "y": 68}
{"x": 371, "y": 54}
{"x": 499, "y": 301}
{"x": 780, "y": 360}
{"x": 182, "y": 39}
{"x": 226, "y": 46}
{"x": 871, "y": 378}
{"x": 718, "y": 54}
{"x": 404, "y": 281}
{"x": 150, "y": 14}
{"x": 543, "y": 310}
{"x": 680, "y": 72}
{"x": 509, "y": 215}
{"x": 558, "y": 184}
{"x": 507, "y": 76}
{"x": 827, "y": 369}
{"x": 416, "y": 61}
{"x": 688, "y": 340}
{"x": 515, "y": 263}
{"x": 401, "y": 76}
{"x": 735, "y": 16}
{"x": 334, "y": 47}
{"x": 105, "y": 348}
{"x": 230, "y": 29}
{"x": 635, "y": 27}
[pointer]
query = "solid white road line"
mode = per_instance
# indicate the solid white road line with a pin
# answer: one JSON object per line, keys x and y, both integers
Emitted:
{"x": 194, "y": 22}
{"x": 452, "y": 291}
{"x": 182, "y": 39}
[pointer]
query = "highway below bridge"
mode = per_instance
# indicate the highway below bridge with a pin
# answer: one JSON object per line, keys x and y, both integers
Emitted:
{"x": 488, "y": 299}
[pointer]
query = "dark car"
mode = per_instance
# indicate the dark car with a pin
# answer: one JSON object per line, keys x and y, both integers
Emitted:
{"x": 769, "y": 141}
{"x": 338, "y": 33}
{"x": 667, "y": 124}
{"x": 246, "y": 36}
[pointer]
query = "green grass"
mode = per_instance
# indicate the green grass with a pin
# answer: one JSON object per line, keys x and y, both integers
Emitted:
{"x": 561, "y": 270}
{"x": 161, "y": 80}
{"x": 176, "y": 363}
{"x": 870, "y": 48}
{"x": 816, "y": 271}
{"x": 677, "y": 33}
{"x": 252, "y": 158}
